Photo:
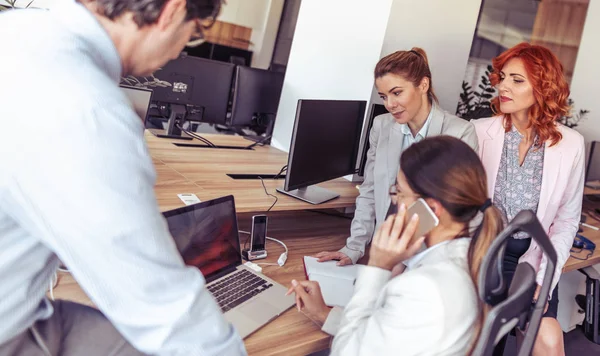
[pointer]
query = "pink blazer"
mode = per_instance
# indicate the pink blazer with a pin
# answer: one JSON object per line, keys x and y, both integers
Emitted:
{"x": 559, "y": 209}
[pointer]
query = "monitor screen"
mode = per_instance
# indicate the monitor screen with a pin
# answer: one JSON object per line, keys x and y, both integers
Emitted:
{"x": 257, "y": 91}
{"x": 202, "y": 85}
{"x": 325, "y": 141}
{"x": 140, "y": 99}
{"x": 376, "y": 110}
{"x": 592, "y": 172}
{"x": 206, "y": 235}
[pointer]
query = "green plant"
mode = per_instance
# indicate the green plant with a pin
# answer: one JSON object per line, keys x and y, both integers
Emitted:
{"x": 12, "y": 5}
{"x": 476, "y": 104}
{"x": 571, "y": 120}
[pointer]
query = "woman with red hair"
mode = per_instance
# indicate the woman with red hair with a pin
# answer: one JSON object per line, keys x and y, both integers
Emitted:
{"x": 533, "y": 162}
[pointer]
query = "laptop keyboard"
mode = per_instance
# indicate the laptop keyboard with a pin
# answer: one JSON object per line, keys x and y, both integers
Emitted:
{"x": 237, "y": 288}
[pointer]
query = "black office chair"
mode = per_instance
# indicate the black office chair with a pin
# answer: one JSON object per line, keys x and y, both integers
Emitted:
{"x": 514, "y": 310}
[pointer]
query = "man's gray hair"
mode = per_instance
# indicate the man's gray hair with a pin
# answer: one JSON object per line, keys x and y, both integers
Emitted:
{"x": 146, "y": 12}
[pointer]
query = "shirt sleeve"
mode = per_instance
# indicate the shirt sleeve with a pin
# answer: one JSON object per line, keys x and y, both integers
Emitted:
{"x": 409, "y": 316}
{"x": 363, "y": 224}
{"x": 332, "y": 323}
{"x": 85, "y": 189}
{"x": 566, "y": 223}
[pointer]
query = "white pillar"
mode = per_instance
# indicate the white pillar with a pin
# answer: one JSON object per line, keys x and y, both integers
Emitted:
{"x": 264, "y": 38}
{"x": 586, "y": 74}
{"x": 444, "y": 29}
{"x": 336, "y": 46}
{"x": 338, "y": 42}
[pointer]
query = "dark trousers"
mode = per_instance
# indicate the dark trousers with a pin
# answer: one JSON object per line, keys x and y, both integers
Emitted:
{"x": 73, "y": 329}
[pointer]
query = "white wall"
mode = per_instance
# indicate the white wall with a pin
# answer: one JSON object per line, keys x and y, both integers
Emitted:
{"x": 336, "y": 45}
{"x": 587, "y": 73}
{"x": 444, "y": 29}
{"x": 265, "y": 37}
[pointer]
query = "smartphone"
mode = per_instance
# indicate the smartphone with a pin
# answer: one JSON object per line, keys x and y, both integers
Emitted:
{"x": 427, "y": 218}
{"x": 259, "y": 233}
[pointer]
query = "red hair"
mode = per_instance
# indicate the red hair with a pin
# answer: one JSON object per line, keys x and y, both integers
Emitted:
{"x": 550, "y": 89}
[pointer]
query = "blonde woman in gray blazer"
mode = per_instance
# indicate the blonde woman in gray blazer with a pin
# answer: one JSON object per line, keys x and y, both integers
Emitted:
{"x": 403, "y": 80}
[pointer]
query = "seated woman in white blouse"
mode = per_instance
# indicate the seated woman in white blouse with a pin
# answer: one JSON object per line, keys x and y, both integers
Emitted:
{"x": 432, "y": 307}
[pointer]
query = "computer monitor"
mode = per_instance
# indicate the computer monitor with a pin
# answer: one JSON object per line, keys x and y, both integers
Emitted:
{"x": 324, "y": 146}
{"x": 256, "y": 97}
{"x": 376, "y": 110}
{"x": 140, "y": 99}
{"x": 592, "y": 172}
{"x": 190, "y": 89}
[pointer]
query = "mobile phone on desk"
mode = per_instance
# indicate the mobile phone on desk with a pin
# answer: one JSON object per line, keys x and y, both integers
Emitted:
{"x": 258, "y": 236}
{"x": 427, "y": 218}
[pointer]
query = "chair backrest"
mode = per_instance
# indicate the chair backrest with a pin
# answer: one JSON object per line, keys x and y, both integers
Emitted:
{"x": 515, "y": 309}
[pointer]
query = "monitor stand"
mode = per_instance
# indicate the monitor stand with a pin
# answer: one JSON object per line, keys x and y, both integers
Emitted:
{"x": 176, "y": 119}
{"x": 311, "y": 194}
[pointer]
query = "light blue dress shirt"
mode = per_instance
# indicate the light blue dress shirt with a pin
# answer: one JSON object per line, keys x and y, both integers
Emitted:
{"x": 76, "y": 183}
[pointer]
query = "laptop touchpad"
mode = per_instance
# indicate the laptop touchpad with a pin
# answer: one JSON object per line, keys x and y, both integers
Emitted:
{"x": 258, "y": 310}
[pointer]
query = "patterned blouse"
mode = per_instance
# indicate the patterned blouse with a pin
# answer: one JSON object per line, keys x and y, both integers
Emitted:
{"x": 518, "y": 187}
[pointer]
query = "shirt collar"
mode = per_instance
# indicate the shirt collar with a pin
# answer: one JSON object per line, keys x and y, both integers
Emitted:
{"x": 96, "y": 41}
{"x": 416, "y": 260}
{"x": 423, "y": 131}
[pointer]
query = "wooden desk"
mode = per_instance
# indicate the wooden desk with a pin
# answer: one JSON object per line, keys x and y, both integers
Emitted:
{"x": 590, "y": 191}
{"x": 593, "y": 235}
{"x": 203, "y": 171}
{"x": 305, "y": 233}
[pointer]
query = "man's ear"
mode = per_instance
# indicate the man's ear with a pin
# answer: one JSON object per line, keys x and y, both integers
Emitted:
{"x": 170, "y": 12}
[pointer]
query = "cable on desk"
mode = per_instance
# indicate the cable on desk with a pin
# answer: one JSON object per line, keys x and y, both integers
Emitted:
{"x": 260, "y": 142}
{"x": 196, "y": 136}
{"x": 269, "y": 194}
{"x": 283, "y": 169}
{"x": 576, "y": 251}
{"x": 282, "y": 257}
{"x": 53, "y": 283}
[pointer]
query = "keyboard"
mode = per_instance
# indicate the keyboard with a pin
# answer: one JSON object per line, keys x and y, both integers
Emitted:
{"x": 237, "y": 288}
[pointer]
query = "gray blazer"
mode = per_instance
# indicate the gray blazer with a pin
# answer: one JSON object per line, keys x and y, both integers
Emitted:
{"x": 381, "y": 170}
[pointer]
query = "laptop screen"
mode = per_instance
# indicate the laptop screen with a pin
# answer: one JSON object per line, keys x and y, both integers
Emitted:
{"x": 206, "y": 235}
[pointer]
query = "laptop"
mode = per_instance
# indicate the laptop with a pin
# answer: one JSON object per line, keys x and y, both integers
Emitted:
{"x": 206, "y": 235}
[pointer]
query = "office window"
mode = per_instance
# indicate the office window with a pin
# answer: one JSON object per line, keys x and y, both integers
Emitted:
{"x": 556, "y": 24}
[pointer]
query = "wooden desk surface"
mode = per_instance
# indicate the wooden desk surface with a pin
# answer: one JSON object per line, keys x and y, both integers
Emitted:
{"x": 588, "y": 190}
{"x": 593, "y": 235}
{"x": 305, "y": 233}
{"x": 203, "y": 171}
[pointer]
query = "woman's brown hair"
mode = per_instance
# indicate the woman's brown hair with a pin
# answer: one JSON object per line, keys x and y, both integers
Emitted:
{"x": 411, "y": 65}
{"x": 446, "y": 169}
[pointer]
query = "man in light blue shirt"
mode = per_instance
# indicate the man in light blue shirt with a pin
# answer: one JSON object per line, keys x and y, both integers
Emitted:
{"x": 76, "y": 184}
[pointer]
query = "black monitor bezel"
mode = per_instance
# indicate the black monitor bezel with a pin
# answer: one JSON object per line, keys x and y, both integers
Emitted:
{"x": 360, "y": 122}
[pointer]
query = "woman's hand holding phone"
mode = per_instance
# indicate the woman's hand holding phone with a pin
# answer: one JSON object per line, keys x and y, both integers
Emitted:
{"x": 392, "y": 241}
